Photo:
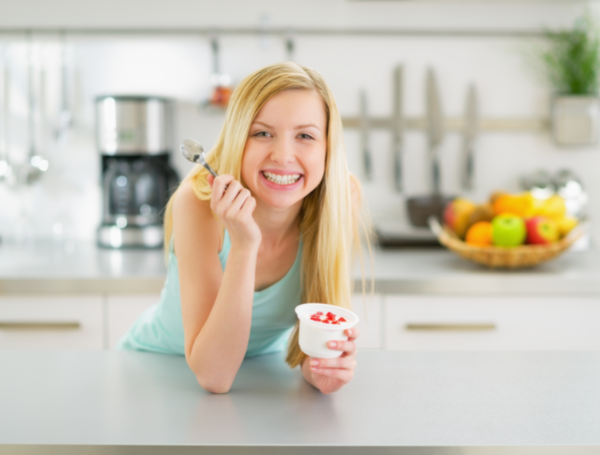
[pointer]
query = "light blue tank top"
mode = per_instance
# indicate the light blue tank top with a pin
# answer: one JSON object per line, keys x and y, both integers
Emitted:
{"x": 160, "y": 327}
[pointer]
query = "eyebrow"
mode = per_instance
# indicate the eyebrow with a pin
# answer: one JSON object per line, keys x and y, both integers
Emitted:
{"x": 297, "y": 128}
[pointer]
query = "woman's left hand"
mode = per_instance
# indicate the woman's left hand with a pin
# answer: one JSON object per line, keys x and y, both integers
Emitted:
{"x": 330, "y": 375}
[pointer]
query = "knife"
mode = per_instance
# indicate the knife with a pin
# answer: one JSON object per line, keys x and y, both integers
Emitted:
{"x": 398, "y": 130}
{"x": 434, "y": 128}
{"x": 470, "y": 134}
{"x": 364, "y": 136}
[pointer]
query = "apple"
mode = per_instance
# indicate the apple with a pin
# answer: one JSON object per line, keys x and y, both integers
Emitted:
{"x": 457, "y": 214}
{"x": 508, "y": 230}
{"x": 541, "y": 230}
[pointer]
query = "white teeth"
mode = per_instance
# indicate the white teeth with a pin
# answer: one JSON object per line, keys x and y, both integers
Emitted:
{"x": 287, "y": 179}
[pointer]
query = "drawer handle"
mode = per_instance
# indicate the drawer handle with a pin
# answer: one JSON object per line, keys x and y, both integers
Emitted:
{"x": 31, "y": 325}
{"x": 451, "y": 326}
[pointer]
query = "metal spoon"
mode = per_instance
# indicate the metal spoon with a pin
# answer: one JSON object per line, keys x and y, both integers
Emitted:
{"x": 193, "y": 151}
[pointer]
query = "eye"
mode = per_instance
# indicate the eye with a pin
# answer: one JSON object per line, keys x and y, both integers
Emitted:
{"x": 305, "y": 136}
{"x": 262, "y": 134}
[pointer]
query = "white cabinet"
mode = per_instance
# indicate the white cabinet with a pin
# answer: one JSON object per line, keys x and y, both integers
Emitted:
{"x": 122, "y": 311}
{"x": 368, "y": 309}
{"x": 62, "y": 322}
{"x": 391, "y": 322}
{"x": 491, "y": 324}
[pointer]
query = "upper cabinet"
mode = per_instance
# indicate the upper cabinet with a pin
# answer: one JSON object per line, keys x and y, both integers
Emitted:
{"x": 288, "y": 15}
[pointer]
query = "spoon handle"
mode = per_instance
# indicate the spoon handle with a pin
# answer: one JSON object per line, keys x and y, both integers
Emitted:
{"x": 210, "y": 169}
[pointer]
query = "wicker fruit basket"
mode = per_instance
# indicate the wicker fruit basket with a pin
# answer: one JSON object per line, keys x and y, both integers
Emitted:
{"x": 503, "y": 258}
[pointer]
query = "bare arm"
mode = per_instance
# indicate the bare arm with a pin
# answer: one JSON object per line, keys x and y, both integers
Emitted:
{"x": 216, "y": 305}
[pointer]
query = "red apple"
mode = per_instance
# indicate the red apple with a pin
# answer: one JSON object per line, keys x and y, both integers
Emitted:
{"x": 541, "y": 230}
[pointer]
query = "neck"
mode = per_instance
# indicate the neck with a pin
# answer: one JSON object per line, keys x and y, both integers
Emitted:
{"x": 275, "y": 224}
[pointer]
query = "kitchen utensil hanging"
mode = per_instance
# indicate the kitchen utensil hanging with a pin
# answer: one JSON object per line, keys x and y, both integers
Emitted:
{"x": 398, "y": 129}
{"x": 364, "y": 137}
{"x": 65, "y": 116}
{"x": 5, "y": 168}
{"x": 290, "y": 48}
{"x": 421, "y": 208}
{"x": 435, "y": 130}
{"x": 470, "y": 135}
{"x": 35, "y": 165}
{"x": 221, "y": 82}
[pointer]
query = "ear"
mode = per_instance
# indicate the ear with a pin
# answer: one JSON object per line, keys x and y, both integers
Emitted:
{"x": 210, "y": 179}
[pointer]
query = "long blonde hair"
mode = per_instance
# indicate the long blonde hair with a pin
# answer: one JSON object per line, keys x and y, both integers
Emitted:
{"x": 329, "y": 218}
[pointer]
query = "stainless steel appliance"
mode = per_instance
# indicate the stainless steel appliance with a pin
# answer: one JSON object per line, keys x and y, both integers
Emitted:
{"x": 133, "y": 138}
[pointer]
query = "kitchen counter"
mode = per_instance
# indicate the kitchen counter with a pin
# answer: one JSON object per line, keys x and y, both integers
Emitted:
{"x": 398, "y": 402}
{"x": 45, "y": 268}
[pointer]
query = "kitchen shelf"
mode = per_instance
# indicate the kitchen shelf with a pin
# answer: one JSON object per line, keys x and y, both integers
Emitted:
{"x": 287, "y": 32}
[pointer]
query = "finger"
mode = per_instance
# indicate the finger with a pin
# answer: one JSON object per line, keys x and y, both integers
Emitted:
{"x": 352, "y": 333}
{"x": 233, "y": 190}
{"x": 248, "y": 207}
{"x": 219, "y": 185}
{"x": 343, "y": 375}
{"x": 238, "y": 202}
{"x": 344, "y": 363}
{"x": 210, "y": 179}
{"x": 346, "y": 346}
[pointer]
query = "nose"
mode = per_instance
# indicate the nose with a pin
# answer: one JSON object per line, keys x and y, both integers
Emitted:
{"x": 282, "y": 151}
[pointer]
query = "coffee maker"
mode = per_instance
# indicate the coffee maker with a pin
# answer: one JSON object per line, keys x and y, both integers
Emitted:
{"x": 133, "y": 138}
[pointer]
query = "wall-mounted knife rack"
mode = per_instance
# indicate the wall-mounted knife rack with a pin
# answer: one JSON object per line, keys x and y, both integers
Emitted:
{"x": 398, "y": 124}
{"x": 456, "y": 124}
{"x": 449, "y": 124}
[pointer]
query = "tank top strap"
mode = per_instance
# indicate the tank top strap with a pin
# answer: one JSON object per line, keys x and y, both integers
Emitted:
{"x": 224, "y": 253}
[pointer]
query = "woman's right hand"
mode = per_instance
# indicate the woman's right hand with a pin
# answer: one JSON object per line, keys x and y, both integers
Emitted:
{"x": 234, "y": 205}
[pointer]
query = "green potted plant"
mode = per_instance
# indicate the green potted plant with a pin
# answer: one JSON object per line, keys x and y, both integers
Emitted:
{"x": 571, "y": 63}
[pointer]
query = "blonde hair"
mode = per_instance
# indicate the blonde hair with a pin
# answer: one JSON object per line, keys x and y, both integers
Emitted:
{"x": 329, "y": 221}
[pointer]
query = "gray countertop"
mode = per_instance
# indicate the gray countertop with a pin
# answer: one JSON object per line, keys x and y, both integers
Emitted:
{"x": 83, "y": 268}
{"x": 396, "y": 400}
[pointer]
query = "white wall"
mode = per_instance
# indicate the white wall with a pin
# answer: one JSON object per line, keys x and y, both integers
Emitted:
{"x": 179, "y": 67}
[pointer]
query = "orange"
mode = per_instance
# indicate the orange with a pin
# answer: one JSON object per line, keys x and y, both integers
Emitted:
{"x": 515, "y": 205}
{"x": 480, "y": 234}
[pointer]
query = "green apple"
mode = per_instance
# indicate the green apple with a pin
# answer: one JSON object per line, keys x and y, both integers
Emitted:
{"x": 508, "y": 230}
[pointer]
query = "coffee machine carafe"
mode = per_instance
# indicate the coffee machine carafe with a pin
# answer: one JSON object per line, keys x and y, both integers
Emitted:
{"x": 133, "y": 134}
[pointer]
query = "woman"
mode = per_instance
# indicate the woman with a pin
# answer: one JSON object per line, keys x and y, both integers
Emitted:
{"x": 274, "y": 230}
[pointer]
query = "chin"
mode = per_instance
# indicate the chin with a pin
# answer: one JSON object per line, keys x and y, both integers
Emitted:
{"x": 280, "y": 201}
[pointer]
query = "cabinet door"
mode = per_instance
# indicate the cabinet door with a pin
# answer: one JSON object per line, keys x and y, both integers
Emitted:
{"x": 479, "y": 324}
{"x": 368, "y": 309}
{"x": 122, "y": 311}
{"x": 67, "y": 322}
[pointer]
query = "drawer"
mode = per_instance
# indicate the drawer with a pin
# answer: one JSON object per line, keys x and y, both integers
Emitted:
{"x": 480, "y": 324}
{"x": 68, "y": 322}
{"x": 368, "y": 309}
{"x": 122, "y": 311}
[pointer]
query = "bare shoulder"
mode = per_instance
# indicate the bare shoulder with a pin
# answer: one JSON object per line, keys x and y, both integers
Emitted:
{"x": 186, "y": 200}
{"x": 193, "y": 220}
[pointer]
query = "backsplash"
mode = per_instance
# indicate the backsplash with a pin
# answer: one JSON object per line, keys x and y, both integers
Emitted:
{"x": 66, "y": 201}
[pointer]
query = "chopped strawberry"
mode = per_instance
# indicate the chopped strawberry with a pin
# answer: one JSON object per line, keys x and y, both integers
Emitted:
{"x": 326, "y": 321}
{"x": 336, "y": 322}
{"x": 341, "y": 319}
{"x": 319, "y": 313}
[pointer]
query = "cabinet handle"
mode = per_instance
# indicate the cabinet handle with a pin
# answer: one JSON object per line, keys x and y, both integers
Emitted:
{"x": 451, "y": 326}
{"x": 32, "y": 325}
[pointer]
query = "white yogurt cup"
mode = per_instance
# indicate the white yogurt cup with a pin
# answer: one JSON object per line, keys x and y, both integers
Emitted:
{"x": 314, "y": 335}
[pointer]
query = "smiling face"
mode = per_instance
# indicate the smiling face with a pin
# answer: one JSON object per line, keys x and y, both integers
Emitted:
{"x": 284, "y": 156}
